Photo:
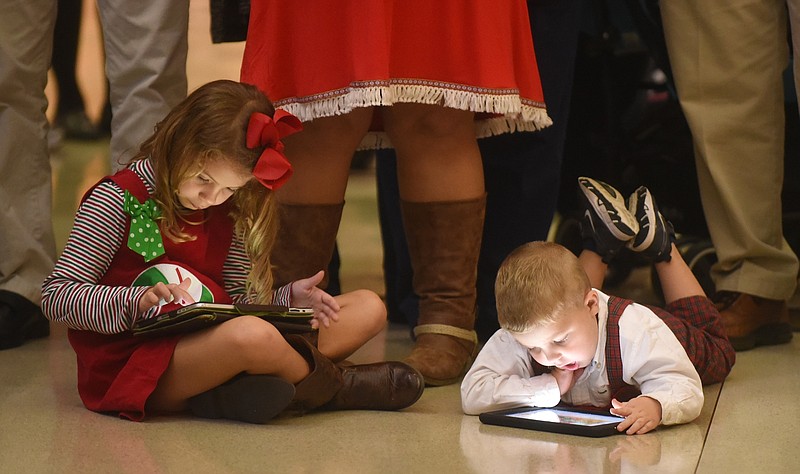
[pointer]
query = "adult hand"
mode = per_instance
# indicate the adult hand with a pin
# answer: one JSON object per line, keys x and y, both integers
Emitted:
{"x": 306, "y": 294}
{"x": 169, "y": 293}
{"x": 642, "y": 414}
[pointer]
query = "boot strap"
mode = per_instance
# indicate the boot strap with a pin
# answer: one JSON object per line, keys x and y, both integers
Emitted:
{"x": 447, "y": 330}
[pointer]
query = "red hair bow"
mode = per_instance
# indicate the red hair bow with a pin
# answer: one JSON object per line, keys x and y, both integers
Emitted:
{"x": 272, "y": 169}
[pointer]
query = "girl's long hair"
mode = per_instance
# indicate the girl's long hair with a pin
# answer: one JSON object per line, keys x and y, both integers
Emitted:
{"x": 211, "y": 124}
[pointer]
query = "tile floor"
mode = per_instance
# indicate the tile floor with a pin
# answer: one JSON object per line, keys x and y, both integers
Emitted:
{"x": 749, "y": 424}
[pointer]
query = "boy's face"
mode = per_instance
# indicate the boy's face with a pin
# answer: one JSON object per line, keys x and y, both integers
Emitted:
{"x": 568, "y": 343}
{"x": 217, "y": 182}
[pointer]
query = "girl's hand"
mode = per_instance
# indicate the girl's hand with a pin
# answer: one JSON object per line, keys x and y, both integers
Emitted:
{"x": 642, "y": 414}
{"x": 168, "y": 293}
{"x": 305, "y": 294}
{"x": 566, "y": 378}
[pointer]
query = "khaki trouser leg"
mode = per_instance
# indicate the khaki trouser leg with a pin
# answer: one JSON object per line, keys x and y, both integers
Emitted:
{"x": 728, "y": 58}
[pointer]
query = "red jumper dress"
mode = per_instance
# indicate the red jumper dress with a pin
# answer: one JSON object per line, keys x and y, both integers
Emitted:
{"x": 118, "y": 372}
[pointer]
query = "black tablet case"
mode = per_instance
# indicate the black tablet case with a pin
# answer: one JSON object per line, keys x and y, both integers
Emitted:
{"x": 202, "y": 315}
{"x": 501, "y": 418}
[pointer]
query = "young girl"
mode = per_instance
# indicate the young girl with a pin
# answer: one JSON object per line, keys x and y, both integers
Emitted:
{"x": 190, "y": 220}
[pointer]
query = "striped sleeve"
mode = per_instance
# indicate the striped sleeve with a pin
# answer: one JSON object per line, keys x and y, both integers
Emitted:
{"x": 235, "y": 270}
{"x": 283, "y": 295}
{"x": 72, "y": 294}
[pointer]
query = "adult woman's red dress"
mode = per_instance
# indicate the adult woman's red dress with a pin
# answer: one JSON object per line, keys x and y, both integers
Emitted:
{"x": 317, "y": 59}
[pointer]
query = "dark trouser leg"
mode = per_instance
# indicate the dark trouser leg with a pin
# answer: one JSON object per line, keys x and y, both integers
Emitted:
{"x": 522, "y": 170}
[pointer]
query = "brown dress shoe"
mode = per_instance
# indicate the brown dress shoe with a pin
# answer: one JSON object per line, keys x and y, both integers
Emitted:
{"x": 752, "y": 321}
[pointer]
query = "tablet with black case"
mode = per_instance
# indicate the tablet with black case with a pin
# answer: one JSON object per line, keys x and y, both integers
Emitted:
{"x": 198, "y": 316}
{"x": 559, "y": 419}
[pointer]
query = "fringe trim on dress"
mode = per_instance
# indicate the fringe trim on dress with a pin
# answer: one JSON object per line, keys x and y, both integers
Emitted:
{"x": 513, "y": 113}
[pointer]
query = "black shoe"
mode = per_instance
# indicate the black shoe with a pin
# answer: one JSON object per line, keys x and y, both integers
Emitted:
{"x": 606, "y": 220}
{"x": 249, "y": 398}
{"x": 77, "y": 126}
{"x": 20, "y": 320}
{"x": 656, "y": 235}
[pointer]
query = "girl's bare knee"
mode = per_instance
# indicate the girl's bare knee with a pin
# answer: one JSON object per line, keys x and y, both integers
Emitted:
{"x": 251, "y": 337}
{"x": 372, "y": 311}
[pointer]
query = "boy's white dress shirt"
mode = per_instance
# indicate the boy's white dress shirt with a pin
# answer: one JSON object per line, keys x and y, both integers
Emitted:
{"x": 652, "y": 359}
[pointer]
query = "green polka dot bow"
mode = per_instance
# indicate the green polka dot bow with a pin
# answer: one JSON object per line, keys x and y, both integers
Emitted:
{"x": 144, "y": 238}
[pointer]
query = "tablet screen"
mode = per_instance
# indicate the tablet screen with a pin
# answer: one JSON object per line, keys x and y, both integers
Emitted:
{"x": 556, "y": 415}
{"x": 576, "y": 421}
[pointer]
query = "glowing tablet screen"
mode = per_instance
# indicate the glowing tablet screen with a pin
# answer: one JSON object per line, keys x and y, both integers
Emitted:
{"x": 568, "y": 417}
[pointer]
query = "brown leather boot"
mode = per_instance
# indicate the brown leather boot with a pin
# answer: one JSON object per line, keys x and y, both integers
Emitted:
{"x": 305, "y": 241}
{"x": 752, "y": 321}
{"x": 444, "y": 241}
{"x": 378, "y": 386}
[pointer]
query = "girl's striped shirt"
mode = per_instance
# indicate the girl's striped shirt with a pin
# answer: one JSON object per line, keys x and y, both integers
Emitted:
{"x": 72, "y": 295}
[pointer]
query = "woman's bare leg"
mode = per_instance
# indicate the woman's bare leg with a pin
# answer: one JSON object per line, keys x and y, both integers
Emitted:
{"x": 437, "y": 152}
{"x": 321, "y": 156}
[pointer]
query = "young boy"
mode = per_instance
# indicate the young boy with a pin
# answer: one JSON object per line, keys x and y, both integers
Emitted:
{"x": 564, "y": 340}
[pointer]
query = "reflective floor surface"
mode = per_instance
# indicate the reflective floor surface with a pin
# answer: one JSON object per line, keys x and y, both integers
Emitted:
{"x": 748, "y": 425}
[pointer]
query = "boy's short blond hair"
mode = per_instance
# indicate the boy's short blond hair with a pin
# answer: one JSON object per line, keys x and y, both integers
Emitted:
{"x": 535, "y": 283}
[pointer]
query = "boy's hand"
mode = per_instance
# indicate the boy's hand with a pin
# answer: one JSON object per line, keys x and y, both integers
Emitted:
{"x": 305, "y": 294}
{"x": 642, "y": 414}
{"x": 565, "y": 378}
{"x": 168, "y": 293}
